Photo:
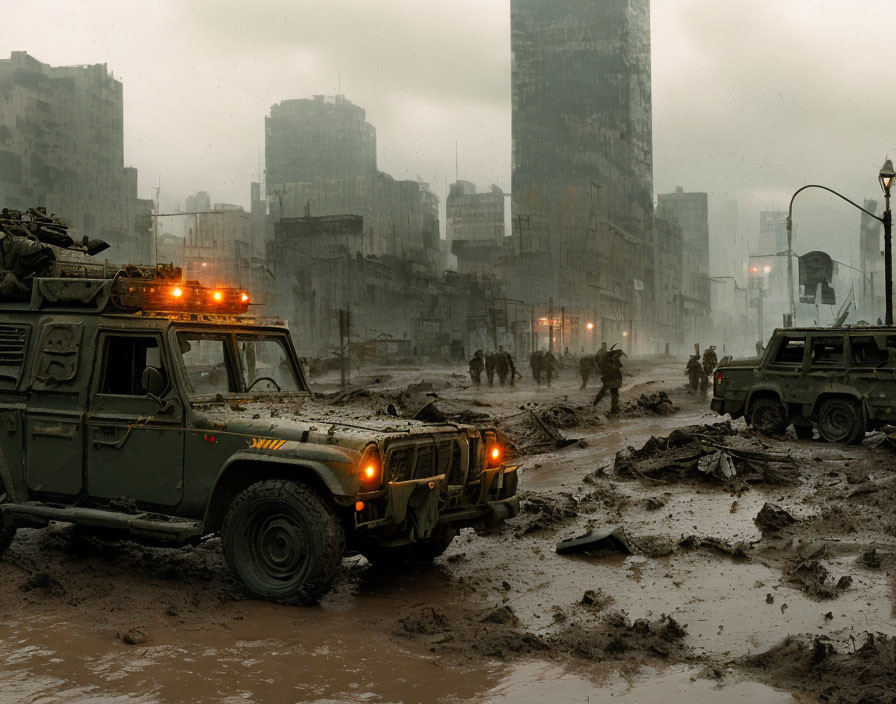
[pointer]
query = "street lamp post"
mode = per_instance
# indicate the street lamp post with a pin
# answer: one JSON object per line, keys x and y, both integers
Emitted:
{"x": 886, "y": 180}
{"x": 886, "y": 177}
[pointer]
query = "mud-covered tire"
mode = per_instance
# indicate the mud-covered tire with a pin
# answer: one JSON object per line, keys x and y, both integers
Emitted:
{"x": 283, "y": 541}
{"x": 840, "y": 421}
{"x": 768, "y": 416}
{"x": 404, "y": 554}
{"x": 6, "y": 534}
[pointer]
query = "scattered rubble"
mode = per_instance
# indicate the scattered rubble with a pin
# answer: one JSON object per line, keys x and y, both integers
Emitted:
{"x": 772, "y": 518}
{"x": 597, "y": 542}
{"x": 657, "y": 403}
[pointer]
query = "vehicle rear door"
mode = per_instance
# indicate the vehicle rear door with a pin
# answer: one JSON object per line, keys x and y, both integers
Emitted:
{"x": 826, "y": 366}
{"x": 135, "y": 443}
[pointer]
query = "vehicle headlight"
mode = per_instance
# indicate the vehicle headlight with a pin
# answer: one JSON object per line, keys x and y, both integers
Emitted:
{"x": 370, "y": 468}
{"x": 494, "y": 452}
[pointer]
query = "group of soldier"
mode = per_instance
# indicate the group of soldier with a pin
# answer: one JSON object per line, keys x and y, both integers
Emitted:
{"x": 500, "y": 363}
{"x": 699, "y": 372}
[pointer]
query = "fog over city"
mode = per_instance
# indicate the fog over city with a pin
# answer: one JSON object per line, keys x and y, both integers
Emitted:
{"x": 750, "y": 99}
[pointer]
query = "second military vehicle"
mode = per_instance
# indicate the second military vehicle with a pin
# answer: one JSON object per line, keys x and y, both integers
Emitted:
{"x": 842, "y": 380}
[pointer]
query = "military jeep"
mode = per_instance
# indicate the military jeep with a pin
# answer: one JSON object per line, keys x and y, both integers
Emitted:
{"x": 169, "y": 426}
{"x": 842, "y": 380}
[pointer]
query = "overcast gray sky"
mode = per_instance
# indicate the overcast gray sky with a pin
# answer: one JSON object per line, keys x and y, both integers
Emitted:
{"x": 751, "y": 98}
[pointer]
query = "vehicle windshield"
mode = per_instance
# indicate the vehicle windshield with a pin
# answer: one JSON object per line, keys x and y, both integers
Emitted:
{"x": 223, "y": 363}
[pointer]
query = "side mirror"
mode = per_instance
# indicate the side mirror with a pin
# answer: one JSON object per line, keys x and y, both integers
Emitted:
{"x": 152, "y": 382}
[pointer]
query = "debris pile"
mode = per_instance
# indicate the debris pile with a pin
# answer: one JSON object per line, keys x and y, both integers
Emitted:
{"x": 698, "y": 451}
{"x": 658, "y": 404}
{"x": 544, "y": 511}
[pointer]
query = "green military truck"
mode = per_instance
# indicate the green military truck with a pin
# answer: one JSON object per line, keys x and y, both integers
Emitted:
{"x": 124, "y": 409}
{"x": 842, "y": 380}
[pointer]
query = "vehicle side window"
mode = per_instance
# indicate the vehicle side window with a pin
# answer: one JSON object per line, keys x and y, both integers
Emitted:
{"x": 827, "y": 351}
{"x": 791, "y": 351}
{"x": 866, "y": 352}
{"x": 13, "y": 342}
{"x": 207, "y": 363}
{"x": 124, "y": 359}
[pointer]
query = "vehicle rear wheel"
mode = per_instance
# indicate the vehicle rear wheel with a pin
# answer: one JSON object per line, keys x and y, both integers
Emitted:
{"x": 413, "y": 552}
{"x": 6, "y": 534}
{"x": 768, "y": 416}
{"x": 803, "y": 428}
{"x": 283, "y": 541}
{"x": 840, "y": 420}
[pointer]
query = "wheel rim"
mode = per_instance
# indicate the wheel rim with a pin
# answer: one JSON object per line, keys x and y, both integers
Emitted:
{"x": 837, "y": 421}
{"x": 768, "y": 418}
{"x": 275, "y": 546}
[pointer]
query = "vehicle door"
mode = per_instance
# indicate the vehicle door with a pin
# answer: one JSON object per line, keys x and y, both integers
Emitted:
{"x": 135, "y": 441}
{"x": 784, "y": 366}
{"x": 826, "y": 366}
{"x": 872, "y": 372}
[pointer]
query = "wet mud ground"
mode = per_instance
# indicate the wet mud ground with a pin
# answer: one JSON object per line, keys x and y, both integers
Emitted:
{"x": 710, "y": 605}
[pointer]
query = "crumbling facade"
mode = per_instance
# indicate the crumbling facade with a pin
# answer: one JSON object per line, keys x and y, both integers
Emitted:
{"x": 321, "y": 161}
{"x": 690, "y": 212}
{"x": 62, "y": 146}
{"x": 474, "y": 225}
{"x": 582, "y": 158}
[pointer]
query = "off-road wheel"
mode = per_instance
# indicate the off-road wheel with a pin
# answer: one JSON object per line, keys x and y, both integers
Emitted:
{"x": 840, "y": 420}
{"x": 411, "y": 553}
{"x": 6, "y": 534}
{"x": 768, "y": 416}
{"x": 283, "y": 541}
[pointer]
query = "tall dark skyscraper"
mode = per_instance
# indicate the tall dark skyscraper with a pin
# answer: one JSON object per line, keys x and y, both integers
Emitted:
{"x": 582, "y": 125}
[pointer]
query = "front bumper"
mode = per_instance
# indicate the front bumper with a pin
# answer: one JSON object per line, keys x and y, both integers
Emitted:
{"x": 419, "y": 506}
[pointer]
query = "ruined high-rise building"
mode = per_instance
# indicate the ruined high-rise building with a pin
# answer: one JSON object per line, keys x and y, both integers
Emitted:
{"x": 62, "y": 146}
{"x": 582, "y": 158}
{"x": 474, "y": 224}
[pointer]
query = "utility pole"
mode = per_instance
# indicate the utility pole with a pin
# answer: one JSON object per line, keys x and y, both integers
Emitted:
{"x": 551, "y": 324}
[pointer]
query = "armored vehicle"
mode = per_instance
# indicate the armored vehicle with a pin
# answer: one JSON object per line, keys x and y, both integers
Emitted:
{"x": 154, "y": 409}
{"x": 843, "y": 380}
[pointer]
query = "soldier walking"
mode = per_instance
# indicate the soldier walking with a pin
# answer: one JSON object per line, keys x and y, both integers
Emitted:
{"x": 535, "y": 365}
{"x": 549, "y": 365}
{"x": 504, "y": 366}
{"x": 477, "y": 364}
{"x": 696, "y": 375}
{"x": 587, "y": 367}
{"x": 490, "y": 360}
{"x": 710, "y": 362}
{"x": 610, "y": 378}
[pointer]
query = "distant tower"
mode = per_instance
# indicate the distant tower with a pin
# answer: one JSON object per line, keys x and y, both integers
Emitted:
{"x": 582, "y": 122}
{"x": 321, "y": 139}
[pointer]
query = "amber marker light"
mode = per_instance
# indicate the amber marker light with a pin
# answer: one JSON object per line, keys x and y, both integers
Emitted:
{"x": 177, "y": 292}
{"x": 370, "y": 471}
{"x": 217, "y": 295}
{"x": 359, "y": 506}
{"x": 244, "y": 297}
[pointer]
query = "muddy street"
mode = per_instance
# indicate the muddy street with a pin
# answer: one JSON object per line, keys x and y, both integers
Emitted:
{"x": 769, "y": 582}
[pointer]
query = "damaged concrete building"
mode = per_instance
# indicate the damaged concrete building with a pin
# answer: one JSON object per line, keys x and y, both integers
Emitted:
{"x": 62, "y": 146}
{"x": 474, "y": 225}
{"x": 321, "y": 160}
{"x": 582, "y": 187}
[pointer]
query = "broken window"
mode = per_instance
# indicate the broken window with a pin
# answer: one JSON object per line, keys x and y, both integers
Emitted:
{"x": 263, "y": 359}
{"x": 827, "y": 351}
{"x": 866, "y": 352}
{"x": 125, "y": 359}
{"x": 791, "y": 350}
{"x": 207, "y": 363}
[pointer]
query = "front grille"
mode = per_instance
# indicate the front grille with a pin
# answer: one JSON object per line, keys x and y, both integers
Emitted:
{"x": 428, "y": 458}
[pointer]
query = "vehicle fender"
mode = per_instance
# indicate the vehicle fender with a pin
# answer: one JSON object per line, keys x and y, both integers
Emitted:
{"x": 764, "y": 390}
{"x": 838, "y": 393}
{"x": 317, "y": 472}
{"x": 317, "y": 465}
